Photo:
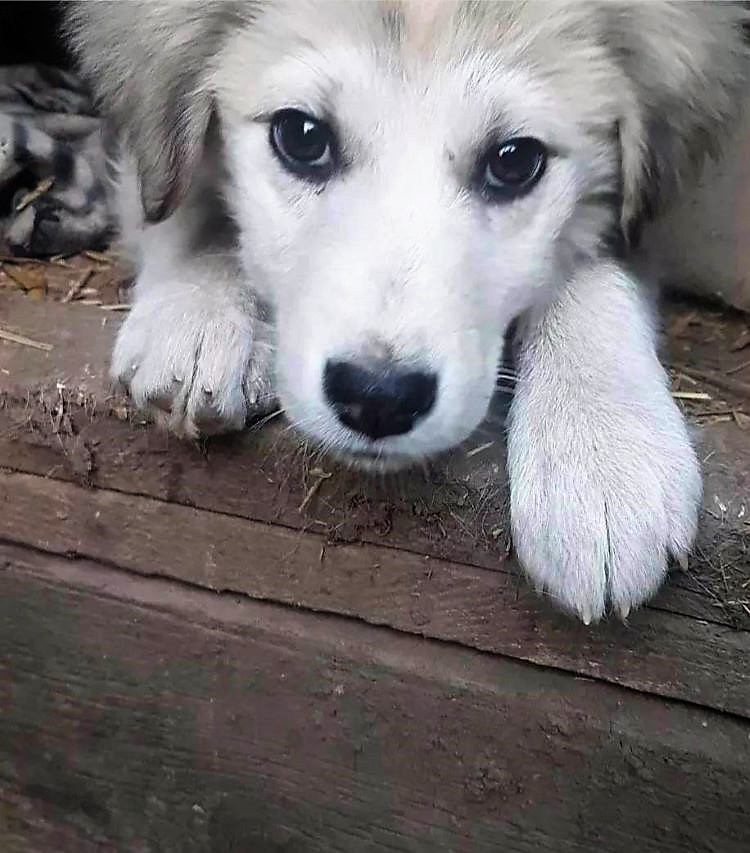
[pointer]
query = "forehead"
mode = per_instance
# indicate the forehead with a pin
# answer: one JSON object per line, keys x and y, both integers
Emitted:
{"x": 527, "y": 67}
{"x": 421, "y": 23}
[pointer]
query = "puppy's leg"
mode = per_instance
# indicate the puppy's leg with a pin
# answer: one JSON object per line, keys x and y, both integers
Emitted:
{"x": 192, "y": 351}
{"x": 605, "y": 484}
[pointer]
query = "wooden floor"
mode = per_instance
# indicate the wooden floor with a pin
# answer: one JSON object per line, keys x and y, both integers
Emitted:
{"x": 237, "y": 646}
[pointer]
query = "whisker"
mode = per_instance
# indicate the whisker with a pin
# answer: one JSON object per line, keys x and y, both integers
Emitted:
{"x": 294, "y": 426}
{"x": 258, "y": 425}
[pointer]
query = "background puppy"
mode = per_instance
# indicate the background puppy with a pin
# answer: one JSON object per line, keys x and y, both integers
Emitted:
{"x": 392, "y": 184}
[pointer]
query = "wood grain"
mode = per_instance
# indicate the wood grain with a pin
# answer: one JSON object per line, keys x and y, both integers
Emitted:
{"x": 142, "y": 716}
{"x": 665, "y": 654}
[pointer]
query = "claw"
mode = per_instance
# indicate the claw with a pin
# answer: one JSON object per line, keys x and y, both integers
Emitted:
{"x": 682, "y": 560}
{"x": 163, "y": 401}
{"x": 125, "y": 377}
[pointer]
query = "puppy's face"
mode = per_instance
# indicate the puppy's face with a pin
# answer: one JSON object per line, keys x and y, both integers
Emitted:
{"x": 406, "y": 183}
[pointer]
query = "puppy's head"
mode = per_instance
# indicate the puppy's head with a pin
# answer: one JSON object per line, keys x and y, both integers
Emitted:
{"x": 410, "y": 177}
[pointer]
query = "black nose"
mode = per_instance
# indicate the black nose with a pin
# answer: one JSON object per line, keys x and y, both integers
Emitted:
{"x": 380, "y": 400}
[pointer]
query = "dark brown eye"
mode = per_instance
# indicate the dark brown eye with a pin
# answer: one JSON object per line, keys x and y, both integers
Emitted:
{"x": 513, "y": 167}
{"x": 304, "y": 144}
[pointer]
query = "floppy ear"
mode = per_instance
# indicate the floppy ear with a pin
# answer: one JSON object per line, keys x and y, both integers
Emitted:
{"x": 148, "y": 64}
{"x": 686, "y": 63}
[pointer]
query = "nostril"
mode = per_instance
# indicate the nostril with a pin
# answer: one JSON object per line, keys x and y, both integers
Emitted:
{"x": 418, "y": 392}
{"x": 378, "y": 400}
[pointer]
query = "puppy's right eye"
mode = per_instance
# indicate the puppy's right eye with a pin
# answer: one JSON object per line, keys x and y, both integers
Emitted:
{"x": 304, "y": 144}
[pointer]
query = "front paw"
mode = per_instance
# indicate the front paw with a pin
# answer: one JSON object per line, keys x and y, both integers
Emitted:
{"x": 602, "y": 493}
{"x": 195, "y": 367}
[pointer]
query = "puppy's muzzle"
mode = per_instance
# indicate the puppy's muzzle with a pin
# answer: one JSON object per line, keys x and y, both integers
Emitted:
{"x": 379, "y": 399}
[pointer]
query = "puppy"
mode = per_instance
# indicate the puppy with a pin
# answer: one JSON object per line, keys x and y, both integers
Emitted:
{"x": 346, "y": 205}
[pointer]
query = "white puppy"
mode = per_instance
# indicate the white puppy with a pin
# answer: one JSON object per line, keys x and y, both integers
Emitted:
{"x": 346, "y": 205}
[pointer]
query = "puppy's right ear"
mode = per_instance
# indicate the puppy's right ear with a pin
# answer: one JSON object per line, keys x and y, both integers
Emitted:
{"x": 148, "y": 64}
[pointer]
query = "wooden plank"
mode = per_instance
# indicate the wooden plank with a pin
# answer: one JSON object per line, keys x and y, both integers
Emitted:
{"x": 666, "y": 654}
{"x": 455, "y": 511}
{"x": 449, "y": 513}
{"x": 141, "y": 715}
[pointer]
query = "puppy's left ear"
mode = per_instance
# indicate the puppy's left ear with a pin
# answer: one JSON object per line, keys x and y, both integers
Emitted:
{"x": 687, "y": 64}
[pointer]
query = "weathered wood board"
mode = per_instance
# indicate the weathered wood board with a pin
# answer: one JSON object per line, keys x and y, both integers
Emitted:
{"x": 142, "y": 716}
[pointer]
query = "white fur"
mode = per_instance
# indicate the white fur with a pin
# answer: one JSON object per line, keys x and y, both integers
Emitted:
{"x": 400, "y": 252}
{"x": 604, "y": 480}
{"x": 192, "y": 351}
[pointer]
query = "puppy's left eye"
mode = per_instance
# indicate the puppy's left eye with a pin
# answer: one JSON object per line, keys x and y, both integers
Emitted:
{"x": 304, "y": 144}
{"x": 513, "y": 167}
